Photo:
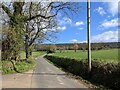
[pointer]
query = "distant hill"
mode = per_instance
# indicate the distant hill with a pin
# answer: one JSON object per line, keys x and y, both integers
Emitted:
{"x": 81, "y": 46}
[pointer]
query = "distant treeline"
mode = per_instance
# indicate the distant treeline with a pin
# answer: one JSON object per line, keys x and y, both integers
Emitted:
{"x": 81, "y": 46}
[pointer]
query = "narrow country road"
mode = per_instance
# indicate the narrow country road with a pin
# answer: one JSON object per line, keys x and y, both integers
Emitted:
{"x": 49, "y": 76}
{"x": 45, "y": 75}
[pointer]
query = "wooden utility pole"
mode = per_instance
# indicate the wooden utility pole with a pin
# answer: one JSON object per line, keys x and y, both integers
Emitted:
{"x": 88, "y": 33}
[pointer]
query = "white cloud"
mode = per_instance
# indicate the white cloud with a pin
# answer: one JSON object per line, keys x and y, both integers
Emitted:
{"x": 100, "y": 10}
{"x": 113, "y": 7}
{"x": 79, "y": 23}
{"x": 108, "y": 16}
{"x": 61, "y": 28}
{"x": 108, "y": 24}
{"x": 65, "y": 21}
{"x": 109, "y": 36}
{"x": 74, "y": 40}
{"x": 83, "y": 42}
{"x": 81, "y": 28}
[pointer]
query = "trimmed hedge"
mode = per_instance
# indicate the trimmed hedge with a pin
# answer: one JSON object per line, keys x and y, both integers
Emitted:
{"x": 104, "y": 74}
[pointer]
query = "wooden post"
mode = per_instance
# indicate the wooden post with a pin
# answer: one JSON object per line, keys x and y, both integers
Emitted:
{"x": 88, "y": 35}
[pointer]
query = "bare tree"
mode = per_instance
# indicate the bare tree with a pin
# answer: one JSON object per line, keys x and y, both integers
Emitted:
{"x": 14, "y": 32}
{"x": 75, "y": 47}
{"x": 35, "y": 20}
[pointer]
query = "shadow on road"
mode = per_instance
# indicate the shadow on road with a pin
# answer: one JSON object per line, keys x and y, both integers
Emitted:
{"x": 45, "y": 74}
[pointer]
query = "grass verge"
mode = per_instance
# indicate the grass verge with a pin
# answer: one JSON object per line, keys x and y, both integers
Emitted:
{"x": 10, "y": 67}
{"x": 18, "y": 67}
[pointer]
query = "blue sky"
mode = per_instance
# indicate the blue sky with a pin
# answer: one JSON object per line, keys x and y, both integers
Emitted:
{"x": 104, "y": 24}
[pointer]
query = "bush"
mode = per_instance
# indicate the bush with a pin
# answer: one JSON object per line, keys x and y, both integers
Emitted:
{"x": 104, "y": 74}
{"x": 50, "y": 51}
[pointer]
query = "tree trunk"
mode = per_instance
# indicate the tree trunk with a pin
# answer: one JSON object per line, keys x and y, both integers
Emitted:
{"x": 14, "y": 32}
{"x": 26, "y": 44}
{"x": 75, "y": 50}
{"x": 26, "y": 51}
{"x": 30, "y": 52}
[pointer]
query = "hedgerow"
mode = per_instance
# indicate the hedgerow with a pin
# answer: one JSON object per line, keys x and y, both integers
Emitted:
{"x": 107, "y": 74}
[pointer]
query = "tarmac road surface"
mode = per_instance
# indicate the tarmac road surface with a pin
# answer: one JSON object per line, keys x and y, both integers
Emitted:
{"x": 45, "y": 75}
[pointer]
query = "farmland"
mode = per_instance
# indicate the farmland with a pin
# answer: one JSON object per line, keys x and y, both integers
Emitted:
{"x": 34, "y": 54}
{"x": 104, "y": 65}
{"x": 110, "y": 55}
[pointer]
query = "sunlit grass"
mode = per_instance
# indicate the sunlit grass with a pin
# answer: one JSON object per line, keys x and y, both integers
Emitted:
{"x": 34, "y": 54}
{"x": 110, "y": 55}
{"x": 22, "y": 65}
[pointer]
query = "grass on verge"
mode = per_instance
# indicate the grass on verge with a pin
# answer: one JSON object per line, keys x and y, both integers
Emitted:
{"x": 22, "y": 65}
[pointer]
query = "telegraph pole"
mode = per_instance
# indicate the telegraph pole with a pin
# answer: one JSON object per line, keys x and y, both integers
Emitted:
{"x": 88, "y": 36}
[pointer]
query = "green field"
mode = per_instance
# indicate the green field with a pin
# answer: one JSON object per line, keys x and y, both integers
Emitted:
{"x": 34, "y": 54}
{"x": 110, "y": 55}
